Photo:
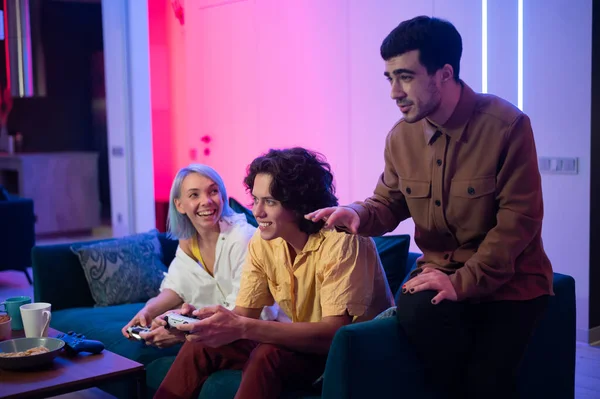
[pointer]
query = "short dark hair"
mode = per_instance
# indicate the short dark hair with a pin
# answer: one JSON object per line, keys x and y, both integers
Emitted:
{"x": 302, "y": 182}
{"x": 437, "y": 40}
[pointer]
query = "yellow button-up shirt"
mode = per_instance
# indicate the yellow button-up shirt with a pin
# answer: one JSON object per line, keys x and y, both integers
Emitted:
{"x": 334, "y": 273}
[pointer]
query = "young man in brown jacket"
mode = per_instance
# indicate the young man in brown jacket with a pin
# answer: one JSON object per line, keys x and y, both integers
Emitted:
{"x": 464, "y": 166}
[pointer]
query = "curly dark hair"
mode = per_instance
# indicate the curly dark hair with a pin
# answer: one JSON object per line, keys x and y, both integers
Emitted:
{"x": 437, "y": 40}
{"x": 302, "y": 182}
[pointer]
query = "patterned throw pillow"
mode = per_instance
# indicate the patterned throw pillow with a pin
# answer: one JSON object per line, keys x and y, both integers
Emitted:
{"x": 123, "y": 270}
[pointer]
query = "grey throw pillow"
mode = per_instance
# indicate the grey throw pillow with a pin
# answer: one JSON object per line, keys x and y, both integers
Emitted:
{"x": 123, "y": 270}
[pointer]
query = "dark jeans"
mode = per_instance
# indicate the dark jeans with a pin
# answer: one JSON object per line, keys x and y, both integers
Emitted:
{"x": 266, "y": 369}
{"x": 470, "y": 350}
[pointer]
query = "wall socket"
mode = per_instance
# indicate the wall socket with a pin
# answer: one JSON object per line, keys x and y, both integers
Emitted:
{"x": 118, "y": 151}
{"x": 558, "y": 165}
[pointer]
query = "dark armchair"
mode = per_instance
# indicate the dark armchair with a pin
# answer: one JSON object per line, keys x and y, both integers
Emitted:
{"x": 17, "y": 232}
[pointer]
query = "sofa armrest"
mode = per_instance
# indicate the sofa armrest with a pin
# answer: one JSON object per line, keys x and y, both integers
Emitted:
{"x": 548, "y": 368}
{"x": 373, "y": 359}
{"x": 58, "y": 278}
{"x": 17, "y": 235}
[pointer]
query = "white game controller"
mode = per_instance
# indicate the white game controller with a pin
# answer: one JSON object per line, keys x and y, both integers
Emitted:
{"x": 174, "y": 319}
{"x": 134, "y": 332}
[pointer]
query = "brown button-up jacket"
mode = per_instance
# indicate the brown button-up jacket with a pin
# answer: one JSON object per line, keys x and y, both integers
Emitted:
{"x": 473, "y": 189}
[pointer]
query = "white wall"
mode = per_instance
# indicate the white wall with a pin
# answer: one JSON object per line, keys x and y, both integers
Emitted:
{"x": 372, "y": 112}
{"x": 502, "y": 35}
{"x": 557, "y": 97}
{"x": 221, "y": 90}
{"x": 265, "y": 73}
{"x": 126, "y": 62}
{"x": 270, "y": 73}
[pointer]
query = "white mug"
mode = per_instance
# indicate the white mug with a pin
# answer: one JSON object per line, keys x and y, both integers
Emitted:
{"x": 36, "y": 319}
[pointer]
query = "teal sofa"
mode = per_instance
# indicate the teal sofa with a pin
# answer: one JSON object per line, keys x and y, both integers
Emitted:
{"x": 371, "y": 359}
{"x": 59, "y": 279}
{"x": 375, "y": 360}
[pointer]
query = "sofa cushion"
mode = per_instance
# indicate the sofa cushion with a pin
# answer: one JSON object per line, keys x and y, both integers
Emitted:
{"x": 4, "y": 196}
{"x": 222, "y": 384}
{"x": 393, "y": 251}
{"x": 239, "y": 208}
{"x": 156, "y": 372}
{"x": 104, "y": 324}
{"x": 225, "y": 383}
{"x": 395, "y": 365}
{"x": 169, "y": 248}
{"x": 127, "y": 270}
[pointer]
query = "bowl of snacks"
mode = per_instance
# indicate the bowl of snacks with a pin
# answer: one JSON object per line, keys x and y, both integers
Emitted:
{"x": 24, "y": 353}
{"x": 5, "y": 330}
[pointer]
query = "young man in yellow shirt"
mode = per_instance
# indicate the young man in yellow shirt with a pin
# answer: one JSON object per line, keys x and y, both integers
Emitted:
{"x": 321, "y": 279}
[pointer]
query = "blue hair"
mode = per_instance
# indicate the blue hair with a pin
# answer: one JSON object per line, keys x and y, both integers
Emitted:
{"x": 179, "y": 226}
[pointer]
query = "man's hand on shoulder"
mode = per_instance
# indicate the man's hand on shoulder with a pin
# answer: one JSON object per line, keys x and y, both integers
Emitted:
{"x": 434, "y": 280}
{"x": 337, "y": 216}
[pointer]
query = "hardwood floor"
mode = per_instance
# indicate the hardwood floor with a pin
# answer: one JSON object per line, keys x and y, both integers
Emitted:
{"x": 587, "y": 369}
{"x": 587, "y": 372}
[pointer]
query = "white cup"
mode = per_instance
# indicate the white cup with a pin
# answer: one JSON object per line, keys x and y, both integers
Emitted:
{"x": 36, "y": 319}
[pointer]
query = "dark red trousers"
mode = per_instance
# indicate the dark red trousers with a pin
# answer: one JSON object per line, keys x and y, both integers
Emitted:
{"x": 266, "y": 369}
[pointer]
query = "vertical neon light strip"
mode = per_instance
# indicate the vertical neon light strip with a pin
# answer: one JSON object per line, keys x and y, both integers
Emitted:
{"x": 484, "y": 48}
{"x": 19, "y": 48}
{"x": 27, "y": 53}
{"x": 6, "y": 39}
{"x": 520, "y": 56}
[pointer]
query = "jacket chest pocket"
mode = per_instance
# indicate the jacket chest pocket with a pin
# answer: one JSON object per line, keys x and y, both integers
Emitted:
{"x": 418, "y": 196}
{"x": 472, "y": 203}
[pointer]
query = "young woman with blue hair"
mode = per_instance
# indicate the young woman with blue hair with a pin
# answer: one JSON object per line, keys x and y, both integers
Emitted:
{"x": 213, "y": 242}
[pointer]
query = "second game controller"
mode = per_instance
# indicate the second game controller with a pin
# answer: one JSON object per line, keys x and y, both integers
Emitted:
{"x": 134, "y": 332}
{"x": 75, "y": 343}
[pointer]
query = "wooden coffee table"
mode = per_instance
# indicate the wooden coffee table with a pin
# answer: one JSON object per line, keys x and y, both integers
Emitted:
{"x": 70, "y": 374}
